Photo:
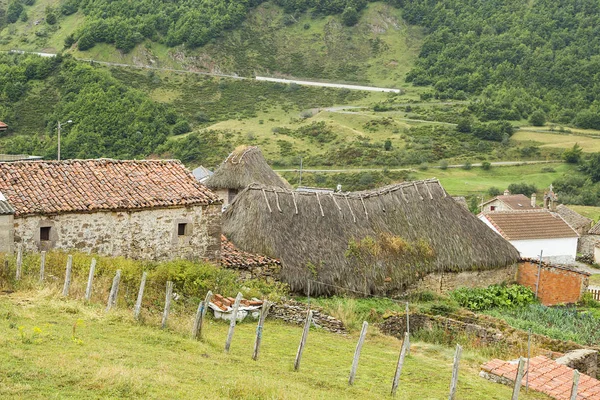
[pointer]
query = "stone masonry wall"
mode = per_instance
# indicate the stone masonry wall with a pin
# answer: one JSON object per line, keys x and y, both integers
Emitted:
{"x": 448, "y": 281}
{"x": 557, "y": 285}
{"x": 586, "y": 244}
{"x": 147, "y": 234}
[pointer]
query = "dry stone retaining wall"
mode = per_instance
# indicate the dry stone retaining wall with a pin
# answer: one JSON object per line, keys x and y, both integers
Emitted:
{"x": 295, "y": 312}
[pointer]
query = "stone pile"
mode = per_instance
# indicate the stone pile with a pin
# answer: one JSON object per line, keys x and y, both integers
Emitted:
{"x": 294, "y": 312}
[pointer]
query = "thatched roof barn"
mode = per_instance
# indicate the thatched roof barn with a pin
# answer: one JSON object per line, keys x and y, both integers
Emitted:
{"x": 374, "y": 241}
{"x": 244, "y": 166}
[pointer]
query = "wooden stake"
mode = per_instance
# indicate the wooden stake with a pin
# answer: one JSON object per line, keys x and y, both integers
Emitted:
{"x": 359, "y": 345}
{"x": 309, "y": 316}
{"x": 403, "y": 351}
{"x": 19, "y": 262}
{"x": 200, "y": 314}
{"x": 454, "y": 382}
{"x": 168, "y": 297}
{"x": 138, "y": 303}
{"x": 407, "y": 329}
{"x": 520, "y": 371}
{"x": 236, "y": 307}
{"x": 259, "y": 328}
{"x": 68, "y": 272}
{"x": 90, "y": 282}
{"x": 114, "y": 291}
{"x": 42, "y": 266}
{"x": 575, "y": 385}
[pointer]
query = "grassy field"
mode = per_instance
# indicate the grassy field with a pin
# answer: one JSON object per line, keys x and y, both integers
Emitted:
{"x": 458, "y": 181}
{"x": 54, "y": 348}
{"x": 589, "y": 140}
{"x": 587, "y": 211}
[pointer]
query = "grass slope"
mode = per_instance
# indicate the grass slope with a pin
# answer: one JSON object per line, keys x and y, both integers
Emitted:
{"x": 54, "y": 348}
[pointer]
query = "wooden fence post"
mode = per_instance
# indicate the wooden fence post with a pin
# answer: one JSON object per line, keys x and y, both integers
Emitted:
{"x": 138, "y": 303}
{"x": 68, "y": 272}
{"x": 236, "y": 307}
{"x": 408, "y": 329}
{"x": 42, "y": 266}
{"x": 359, "y": 345}
{"x": 19, "y": 262}
{"x": 518, "y": 379}
{"x": 454, "y": 381}
{"x": 403, "y": 351}
{"x": 309, "y": 316}
{"x": 575, "y": 385}
{"x": 168, "y": 297}
{"x": 259, "y": 328}
{"x": 200, "y": 314}
{"x": 114, "y": 291}
{"x": 90, "y": 282}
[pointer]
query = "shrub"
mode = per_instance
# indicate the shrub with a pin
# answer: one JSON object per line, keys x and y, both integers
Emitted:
{"x": 387, "y": 145}
{"x": 444, "y": 164}
{"x": 486, "y": 165}
{"x": 478, "y": 299}
{"x": 537, "y": 118}
{"x": 494, "y": 191}
{"x": 350, "y": 16}
{"x": 181, "y": 127}
{"x": 51, "y": 18}
{"x": 573, "y": 155}
{"x": 467, "y": 166}
{"x": 522, "y": 188}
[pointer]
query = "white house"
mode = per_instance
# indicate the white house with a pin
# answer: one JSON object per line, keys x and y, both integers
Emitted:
{"x": 508, "y": 202}
{"x": 535, "y": 231}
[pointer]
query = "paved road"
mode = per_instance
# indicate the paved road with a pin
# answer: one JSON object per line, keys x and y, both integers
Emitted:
{"x": 496, "y": 163}
{"x": 332, "y": 85}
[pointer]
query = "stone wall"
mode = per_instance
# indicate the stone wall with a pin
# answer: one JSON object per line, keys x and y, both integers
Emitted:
{"x": 448, "y": 281}
{"x": 294, "y": 312}
{"x": 587, "y": 243}
{"x": 557, "y": 284}
{"x": 583, "y": 360}
{"x": 146, "y": 234}
{"x": 6, "y": 233}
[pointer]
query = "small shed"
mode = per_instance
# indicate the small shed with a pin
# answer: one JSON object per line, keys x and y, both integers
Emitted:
{"x": 244, "y": 166}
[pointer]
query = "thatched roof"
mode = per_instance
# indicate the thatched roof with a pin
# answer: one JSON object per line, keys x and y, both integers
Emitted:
{"x": 396, "y": 235}
{"x": 245, "y": 166}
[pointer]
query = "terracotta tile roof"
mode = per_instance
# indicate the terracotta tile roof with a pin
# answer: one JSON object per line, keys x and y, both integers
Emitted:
{"x": 514, "y": 201}
{"x": 595, "y": 229}
{"x": 3, "y": 126}
{"x": 232, "y": 257}
{"x": 547, "y": 376}
{"x": 49, "y": 187}
{"x": 573, "y": 218}
{"x": 520, "y": 225}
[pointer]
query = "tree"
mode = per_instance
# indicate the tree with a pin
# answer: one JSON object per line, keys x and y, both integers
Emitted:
{"x": 13, "y": 12}
{"x": 537, "y": 118}
{"x": 573, "y": 155}
{"x": 181, "y": 127}
{"x": 387, "y": 145}
{"x": 51, "y": 18}
{"x": 350, "y": 16}
{"x": 464, "y": 125}
{"x": 494, "y": 191}
{"x": 522, "y": 188}
{"x": 592, "y": 167}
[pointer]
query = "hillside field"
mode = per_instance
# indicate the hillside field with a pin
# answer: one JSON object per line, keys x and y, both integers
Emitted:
{"x": 56, "y": 348}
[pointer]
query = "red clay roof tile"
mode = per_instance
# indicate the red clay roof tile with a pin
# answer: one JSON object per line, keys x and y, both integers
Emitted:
{"x": 52, "y": 187}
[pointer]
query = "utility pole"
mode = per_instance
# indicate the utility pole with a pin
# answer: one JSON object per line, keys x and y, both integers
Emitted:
{"x": 59, "y": 125}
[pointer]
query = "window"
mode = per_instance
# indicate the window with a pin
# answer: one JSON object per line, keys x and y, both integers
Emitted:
{"x": 492, "y": 208}
{"x": 45, "y": 233}
{"x": 181, "y": 229}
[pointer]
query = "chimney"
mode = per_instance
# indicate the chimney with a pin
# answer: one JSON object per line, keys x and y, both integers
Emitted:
{"x": 506, "y": 192}
{"x": 533, "y": 198}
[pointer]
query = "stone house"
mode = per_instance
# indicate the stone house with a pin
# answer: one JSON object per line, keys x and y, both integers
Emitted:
{"x": 138, "y": 209}
{"x": 534, "y": 231}
{"x": 577, "y": 221}
{"x": 509, "y": 202}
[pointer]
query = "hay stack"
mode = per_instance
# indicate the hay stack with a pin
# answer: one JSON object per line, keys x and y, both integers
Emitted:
{"x": 244, "y": 166}
{"x": 310, "y": 233}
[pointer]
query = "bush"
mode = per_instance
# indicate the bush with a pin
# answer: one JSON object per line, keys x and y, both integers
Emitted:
{"x": 573, "y": 155}
{"x": 478, "y": 299}
{"x": 444, "y": 164}
{"x": 467, "y": 166}
{"x": 537, "y": 118}
{"x": 350, "y": 16}
{"x": 51, "y": 18}
{"x": 181, "y": 127}
{"x": 494, "y": 191}
{"x": 522, "y": 188}
{"x": 486, "y": 165}
{"x": 387, "y": 145}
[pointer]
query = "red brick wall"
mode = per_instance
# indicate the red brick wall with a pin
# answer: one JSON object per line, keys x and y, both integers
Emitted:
{"x": 557, "y": 285}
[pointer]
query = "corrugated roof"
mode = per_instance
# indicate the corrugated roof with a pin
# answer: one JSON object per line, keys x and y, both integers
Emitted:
{"x": 6, "y": 208}
{"x": 521, "y": 225}
{"x": 43, "y": 187}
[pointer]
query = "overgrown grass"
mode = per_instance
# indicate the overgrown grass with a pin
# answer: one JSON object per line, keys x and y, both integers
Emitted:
{"x": 191, "y": 280}
{"x": 563, "y": 323}
{"x": 57, "y": 348}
